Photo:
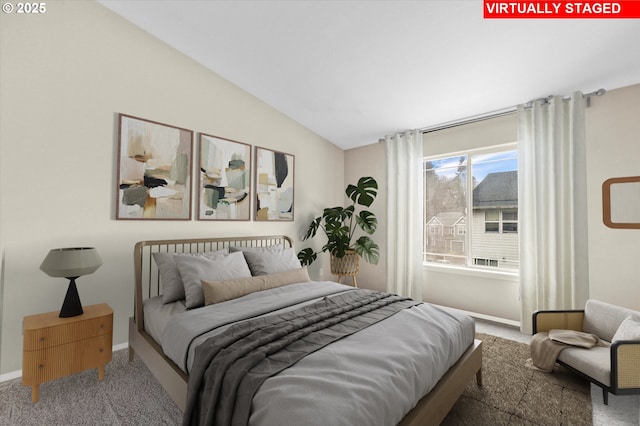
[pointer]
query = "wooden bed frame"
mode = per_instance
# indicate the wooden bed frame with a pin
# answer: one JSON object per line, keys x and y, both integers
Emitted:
{"x": 430, "y": 410}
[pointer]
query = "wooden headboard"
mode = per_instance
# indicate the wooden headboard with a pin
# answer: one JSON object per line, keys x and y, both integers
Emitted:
{"x": 147, "y": 279}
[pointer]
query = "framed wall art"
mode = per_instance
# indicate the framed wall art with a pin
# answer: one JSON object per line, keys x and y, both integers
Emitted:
{"x": 225, "y": 179}
{"x": 621, "y": 202}
{"x": 154, "y": 170}
{"x": 274, "y": 185}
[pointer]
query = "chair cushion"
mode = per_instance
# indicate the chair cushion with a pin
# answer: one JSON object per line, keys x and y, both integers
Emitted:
{"x": 594, "y": 362}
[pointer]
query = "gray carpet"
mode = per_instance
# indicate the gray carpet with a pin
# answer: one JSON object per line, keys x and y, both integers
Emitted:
{"x": 129, "y": 395}
{"x": 513, "y": 394}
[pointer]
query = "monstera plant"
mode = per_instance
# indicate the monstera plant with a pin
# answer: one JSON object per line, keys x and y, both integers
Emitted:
{"x": 340, "y": 223}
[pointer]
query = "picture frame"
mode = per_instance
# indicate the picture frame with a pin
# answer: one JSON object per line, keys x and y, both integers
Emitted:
{"x": 621, "y": 202}
{"x": 274, "y": 185}
{"x": 224, "y": 190}
{"x": 154, "y": 170}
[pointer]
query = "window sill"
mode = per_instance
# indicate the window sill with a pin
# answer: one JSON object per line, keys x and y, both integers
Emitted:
{"x": 475, "y": 272}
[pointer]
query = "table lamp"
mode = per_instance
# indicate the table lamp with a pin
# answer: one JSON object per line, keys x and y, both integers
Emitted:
{"x": 71, "y": 263}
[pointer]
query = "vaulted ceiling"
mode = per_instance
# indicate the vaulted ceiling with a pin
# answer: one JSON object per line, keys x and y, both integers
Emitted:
{"x": 354, "y": 71}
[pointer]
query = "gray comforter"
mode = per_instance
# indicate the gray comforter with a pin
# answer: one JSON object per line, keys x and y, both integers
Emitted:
{"x": 229, "y": 368}
{"x": 372, "y": 377}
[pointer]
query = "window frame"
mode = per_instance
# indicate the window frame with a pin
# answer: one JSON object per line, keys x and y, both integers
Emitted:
{"x": 469, "y": 265}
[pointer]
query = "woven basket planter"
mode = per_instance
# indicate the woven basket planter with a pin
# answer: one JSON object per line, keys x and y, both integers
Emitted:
{"x": 346, "y": 266}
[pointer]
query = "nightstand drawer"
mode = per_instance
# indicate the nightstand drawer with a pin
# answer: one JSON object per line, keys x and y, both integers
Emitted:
{"x": 50, "y": 363}
{"x": 65, "y": 333}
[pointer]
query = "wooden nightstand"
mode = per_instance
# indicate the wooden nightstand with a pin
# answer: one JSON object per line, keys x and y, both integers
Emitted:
{"x": 55, "y": 347}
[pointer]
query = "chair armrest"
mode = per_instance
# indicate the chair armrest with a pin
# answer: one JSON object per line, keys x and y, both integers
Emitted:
{"x": 625, "y": 364}
{"x": 563, "y": 320}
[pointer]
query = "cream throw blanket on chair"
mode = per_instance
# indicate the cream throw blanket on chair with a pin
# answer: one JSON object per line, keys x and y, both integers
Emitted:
{"x": 546, "y": 346}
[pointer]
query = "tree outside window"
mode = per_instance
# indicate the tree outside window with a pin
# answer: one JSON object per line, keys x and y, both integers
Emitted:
{"x": 473, "y": 199}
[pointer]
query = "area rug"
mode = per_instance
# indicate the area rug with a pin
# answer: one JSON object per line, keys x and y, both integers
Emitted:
{"x": 513, "y": 394}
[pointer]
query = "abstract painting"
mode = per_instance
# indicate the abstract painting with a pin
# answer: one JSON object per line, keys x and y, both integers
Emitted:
{"x": 274, "y": 185}
{"x": 154, "y": 170}
{"x": 225, "y": 179}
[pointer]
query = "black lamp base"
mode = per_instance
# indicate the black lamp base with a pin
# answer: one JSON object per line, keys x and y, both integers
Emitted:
{"x": 71, "y": 306}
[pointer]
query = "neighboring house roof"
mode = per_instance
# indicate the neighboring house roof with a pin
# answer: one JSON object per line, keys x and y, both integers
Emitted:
{"x": 497, "y": 190}
{"x": 446, "y": 219}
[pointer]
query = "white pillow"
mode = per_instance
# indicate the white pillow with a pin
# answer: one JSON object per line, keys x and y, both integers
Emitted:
{"x": 194, "y": 269}
{"x": 629, "y": 330}
{"x": 270, "y": 259}
{"x": 170, "y": 279}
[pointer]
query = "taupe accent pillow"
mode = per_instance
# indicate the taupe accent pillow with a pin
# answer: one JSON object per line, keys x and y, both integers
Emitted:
{"x": 221, "y": 291}
{"x": 195, "y": 269}
{"x": 170, "y": 279}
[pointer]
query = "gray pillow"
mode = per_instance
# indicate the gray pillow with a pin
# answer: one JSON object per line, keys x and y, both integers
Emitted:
{"x": 194, "y": 269}
{"x": 170, "y": 279}
{"x": 270, "y": 259}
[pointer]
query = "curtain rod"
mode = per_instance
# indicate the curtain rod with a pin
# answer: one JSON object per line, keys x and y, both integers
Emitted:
{"x": 598, "y": 92}
{"x": 499, "y": 113}
{"x": 469, "y": 120}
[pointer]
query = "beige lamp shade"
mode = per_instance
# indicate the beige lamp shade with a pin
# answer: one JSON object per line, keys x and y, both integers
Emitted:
{"x": 71, "y": 262}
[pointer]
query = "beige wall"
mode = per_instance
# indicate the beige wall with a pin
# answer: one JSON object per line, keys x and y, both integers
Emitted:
{"x": 613, "y": 150}
{"x": 64, "y": 77}
{"x": 369, "y": 161}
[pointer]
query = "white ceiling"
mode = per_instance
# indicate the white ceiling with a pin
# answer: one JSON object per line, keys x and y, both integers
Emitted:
{"x": 354, "y": 71}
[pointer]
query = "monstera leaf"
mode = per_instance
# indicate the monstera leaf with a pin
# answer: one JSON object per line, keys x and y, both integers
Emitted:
{"x": 364, "y": 192}
{"x": 307, "y": 256}
{"x": 338, "y": 244}
{"x": 367, "y": 249}
{"x": 337, "y": 214}
{"x": 313, "y": 228}
{"x": 367, "y": 221}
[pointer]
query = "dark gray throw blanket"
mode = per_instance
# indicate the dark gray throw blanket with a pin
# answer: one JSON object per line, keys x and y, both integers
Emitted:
{"x": 229, "y": 368}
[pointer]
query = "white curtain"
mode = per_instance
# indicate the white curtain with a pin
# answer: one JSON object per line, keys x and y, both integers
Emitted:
{"x": 552, "y": 206}
{"x": 405, "y": 198}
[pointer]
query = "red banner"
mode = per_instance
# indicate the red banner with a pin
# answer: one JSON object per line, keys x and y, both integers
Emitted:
{"x": 518, "y": 9}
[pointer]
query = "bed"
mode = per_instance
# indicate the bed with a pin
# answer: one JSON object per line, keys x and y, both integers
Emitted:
{"x": 391, "y": 387}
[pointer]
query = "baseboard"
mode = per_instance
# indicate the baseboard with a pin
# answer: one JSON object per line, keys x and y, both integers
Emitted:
{"x": 17, "y": 374}
{"x": 119, "y": 347}
{"x": 10, "y": 376}
{"x": 498, "y": 320}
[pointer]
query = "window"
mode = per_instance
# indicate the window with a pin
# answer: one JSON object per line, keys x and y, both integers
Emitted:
{"x": 485, "y": 262}
{"x": 510, "y": 221}
{"x": 501, "y": 221}
{"x": 475, "y": 196}
{"x": 491, "y": 221}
